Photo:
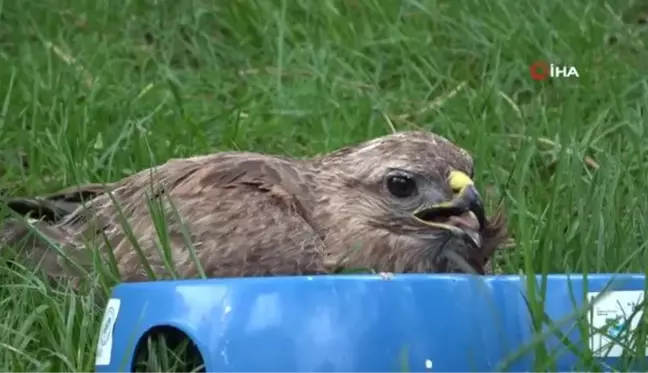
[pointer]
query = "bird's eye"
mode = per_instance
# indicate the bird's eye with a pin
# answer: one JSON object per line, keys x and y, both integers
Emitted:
{"x": 401, "y": 186}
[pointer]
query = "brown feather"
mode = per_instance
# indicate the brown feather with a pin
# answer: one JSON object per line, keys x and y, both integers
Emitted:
{"x": 250, "y": 214}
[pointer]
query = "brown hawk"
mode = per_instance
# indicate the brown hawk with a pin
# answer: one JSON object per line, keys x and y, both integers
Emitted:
{"x": 399, "y": 203}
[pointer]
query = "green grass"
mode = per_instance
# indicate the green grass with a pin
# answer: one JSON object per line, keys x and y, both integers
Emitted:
{"x": 92, "y": 90}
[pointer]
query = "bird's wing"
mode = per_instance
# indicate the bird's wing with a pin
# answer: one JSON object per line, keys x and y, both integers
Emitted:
{"x": 238, "y": 214}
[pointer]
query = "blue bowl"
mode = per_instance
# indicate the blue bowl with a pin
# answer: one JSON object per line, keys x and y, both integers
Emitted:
{"x": 359, "y": 323}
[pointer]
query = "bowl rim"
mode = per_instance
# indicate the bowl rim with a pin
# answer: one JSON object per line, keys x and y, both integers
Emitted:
{"x": 368, "y": 278}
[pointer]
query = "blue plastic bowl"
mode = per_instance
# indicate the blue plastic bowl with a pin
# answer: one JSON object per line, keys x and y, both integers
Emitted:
{"x": 359, "y": 323}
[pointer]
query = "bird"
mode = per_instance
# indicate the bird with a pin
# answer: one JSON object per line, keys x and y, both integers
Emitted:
{"x": 405, "y": 202}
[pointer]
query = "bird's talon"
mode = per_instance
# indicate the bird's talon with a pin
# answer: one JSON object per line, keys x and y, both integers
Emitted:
{"x": 386, "y": 275}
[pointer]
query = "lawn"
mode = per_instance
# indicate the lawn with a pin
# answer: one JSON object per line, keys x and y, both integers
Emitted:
{"x": 91, "y": 91}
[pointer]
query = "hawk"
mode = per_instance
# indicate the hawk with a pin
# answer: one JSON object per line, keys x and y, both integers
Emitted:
{"x": 400, "y": 203}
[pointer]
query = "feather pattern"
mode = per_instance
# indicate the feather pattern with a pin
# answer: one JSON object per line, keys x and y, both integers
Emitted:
{"x": 250, "y": 214}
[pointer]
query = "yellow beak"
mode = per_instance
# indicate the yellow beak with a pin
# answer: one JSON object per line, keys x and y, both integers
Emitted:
{"x": 466, "y": 199}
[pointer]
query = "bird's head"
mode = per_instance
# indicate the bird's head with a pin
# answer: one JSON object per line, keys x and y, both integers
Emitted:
{"x": 409, "y": 202}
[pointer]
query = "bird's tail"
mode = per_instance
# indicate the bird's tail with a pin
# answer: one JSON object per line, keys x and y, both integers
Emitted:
{"x": 33, "y": 231}
{"x": 55, "y": 207}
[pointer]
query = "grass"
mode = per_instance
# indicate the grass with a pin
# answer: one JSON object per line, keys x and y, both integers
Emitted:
{"x": 93, "y": 90}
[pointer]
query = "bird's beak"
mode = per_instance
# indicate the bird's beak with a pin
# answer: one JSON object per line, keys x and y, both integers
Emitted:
{"x": 466, "y": 199}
